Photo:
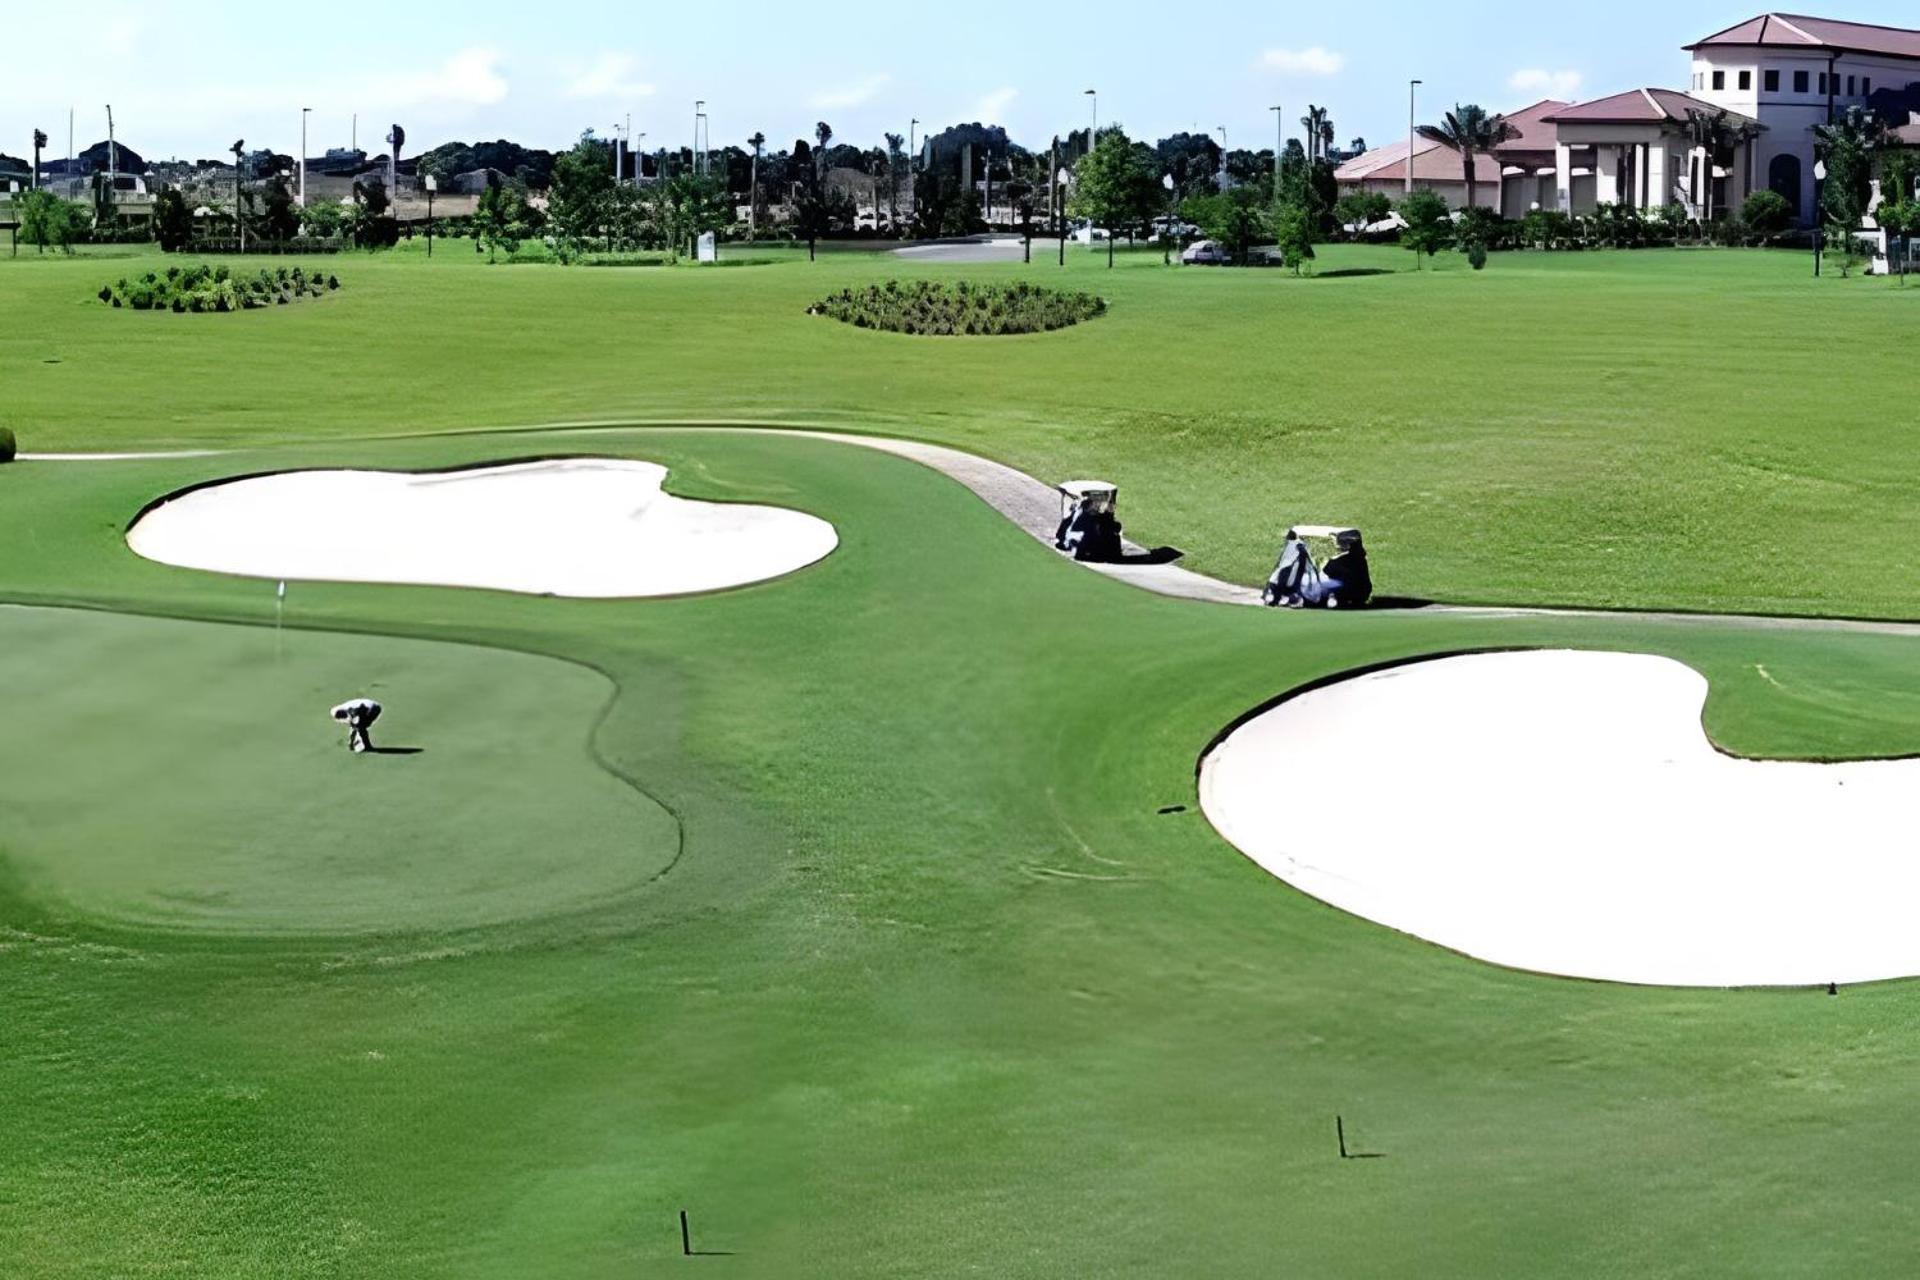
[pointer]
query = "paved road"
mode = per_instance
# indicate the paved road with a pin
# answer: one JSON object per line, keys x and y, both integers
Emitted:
{"x": 999, "y": 249}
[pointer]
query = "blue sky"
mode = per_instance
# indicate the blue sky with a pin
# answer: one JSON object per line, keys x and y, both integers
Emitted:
{"x": 187, "y": 77}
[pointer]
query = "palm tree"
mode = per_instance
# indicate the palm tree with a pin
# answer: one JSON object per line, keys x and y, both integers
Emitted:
{"x": 894, "y": 155}
{"x": 1848, "y": 143}
{"x": 1318, "y": 126}
{"x": 1470, "y": 131}
{"x": 757, "y": 141}
{"x": 1715, "y": 133}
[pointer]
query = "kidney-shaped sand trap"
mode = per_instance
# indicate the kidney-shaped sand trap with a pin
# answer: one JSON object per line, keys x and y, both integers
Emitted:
{"x": 1564, "y": 812}
{"x": 586, "y": 527}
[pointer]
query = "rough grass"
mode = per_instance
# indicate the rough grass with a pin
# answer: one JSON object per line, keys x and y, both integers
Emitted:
{"x": 934, "y": 988}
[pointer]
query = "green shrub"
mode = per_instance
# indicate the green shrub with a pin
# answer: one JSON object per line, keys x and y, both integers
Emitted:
{"x": 932, "y": 308}
{"x": 202, "y": 288}
{"x": 1477, "y": 256}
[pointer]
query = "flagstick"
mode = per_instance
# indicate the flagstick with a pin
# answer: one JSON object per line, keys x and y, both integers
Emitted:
{"x": 279, "y": 612}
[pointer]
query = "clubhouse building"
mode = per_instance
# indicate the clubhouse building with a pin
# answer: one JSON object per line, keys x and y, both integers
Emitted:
{"x": 1775, "y": 77}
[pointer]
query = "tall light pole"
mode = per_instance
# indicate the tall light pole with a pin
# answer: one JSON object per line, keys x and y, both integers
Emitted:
{"x": 1223, "y": 155}
{"x": 303, "y": 155}
{"x": 1819, "y": 226}
{"x": 1279, "y": 145}
{"x": 911, "y": 150}
{"x": 699, "y": 109}
{"x": 639, "y": 159}
{"x": 1093, "y": 131}
{"x": 1412, "y": 96}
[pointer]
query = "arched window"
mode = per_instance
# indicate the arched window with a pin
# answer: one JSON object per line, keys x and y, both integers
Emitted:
{"x": 1783, "y": 176}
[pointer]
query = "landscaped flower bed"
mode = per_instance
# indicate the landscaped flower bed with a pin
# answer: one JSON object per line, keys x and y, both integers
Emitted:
{"x": 206, "y": 288}
{"x": 928, "y": 307}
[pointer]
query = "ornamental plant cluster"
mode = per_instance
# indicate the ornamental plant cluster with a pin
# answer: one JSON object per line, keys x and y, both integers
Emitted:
{"x": 205, "y": 288}
{"x": 929, "y": 307}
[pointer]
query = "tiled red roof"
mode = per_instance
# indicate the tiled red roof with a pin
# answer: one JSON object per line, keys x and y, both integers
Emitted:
{"x": 1536, "y": 134}
{"x": 1794, "y": 31}
{"x": 1431, "y": 163}
{"x": 1637, "y": 106}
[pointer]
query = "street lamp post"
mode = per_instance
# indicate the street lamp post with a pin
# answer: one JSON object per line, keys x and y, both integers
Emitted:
{"x": 1819, "y": 201}
{"x": 433, "y": 185}
{"x": 1412, "y": 97}
{"x": 1279, "y": 145}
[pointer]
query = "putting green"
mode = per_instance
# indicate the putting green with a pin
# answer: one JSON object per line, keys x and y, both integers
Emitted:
{"x": 186, "y": 774}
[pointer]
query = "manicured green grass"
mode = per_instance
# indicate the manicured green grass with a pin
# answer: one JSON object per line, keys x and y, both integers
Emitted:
{"x": 1695, "y": 429}
{"x": 933, "y": 988}
{"x": 231, "y": 810}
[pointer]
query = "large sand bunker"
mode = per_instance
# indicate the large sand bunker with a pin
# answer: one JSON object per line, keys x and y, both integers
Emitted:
{"x": 585, "y": 527}
{"x": 1564, "y": 812}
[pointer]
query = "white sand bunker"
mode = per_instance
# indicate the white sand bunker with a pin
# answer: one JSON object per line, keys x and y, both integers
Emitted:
{"x": 595, "y": 528}
{"x": 1564, "y": 812}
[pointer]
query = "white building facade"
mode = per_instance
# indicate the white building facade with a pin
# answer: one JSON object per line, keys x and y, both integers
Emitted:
{"x": 1792, "y": 73}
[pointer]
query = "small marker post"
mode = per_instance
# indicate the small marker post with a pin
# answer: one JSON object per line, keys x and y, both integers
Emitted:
{"x": 686, "y": 1240}
{"x": 1340, "y": 1131}
{"x": 279, "y": 612}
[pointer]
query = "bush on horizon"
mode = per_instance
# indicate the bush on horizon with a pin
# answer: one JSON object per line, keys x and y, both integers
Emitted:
{"x": 204, "y": 288}
{"x": 962, "y": 309}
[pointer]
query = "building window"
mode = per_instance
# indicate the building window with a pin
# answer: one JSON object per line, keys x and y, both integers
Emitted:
{"x": 1746, "y": 80}
{"x": 1866, "y": 85}
{"x": 1719, "y": 80}
{"x": 1772, "y": 80}
{"x": 1850, "y": 84}
{"x": 1800, "y": 81}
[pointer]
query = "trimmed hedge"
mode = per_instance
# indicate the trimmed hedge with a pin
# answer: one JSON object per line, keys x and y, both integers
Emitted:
{"x": 204, "y": 288}
{"x": 929, "y": 307}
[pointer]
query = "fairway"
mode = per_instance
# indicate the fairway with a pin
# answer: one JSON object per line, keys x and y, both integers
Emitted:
{"x": 868, "y": 913}
{"x": 1558, "y": 429}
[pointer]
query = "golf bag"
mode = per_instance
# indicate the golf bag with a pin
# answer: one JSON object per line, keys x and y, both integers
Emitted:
{"x": 1296, "y": 579}
{"x": 1089, "y": 533}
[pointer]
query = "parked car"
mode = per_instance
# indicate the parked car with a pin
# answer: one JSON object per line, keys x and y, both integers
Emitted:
{"x": 1206, "y": 253}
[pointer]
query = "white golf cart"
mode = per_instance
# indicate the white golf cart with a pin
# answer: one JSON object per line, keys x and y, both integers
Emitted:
{"x": 1089, "y": 529}
{"x": 1343, "y": 580}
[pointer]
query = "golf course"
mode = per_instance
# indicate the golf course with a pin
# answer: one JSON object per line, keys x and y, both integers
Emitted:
{"x": 865, "y": 910}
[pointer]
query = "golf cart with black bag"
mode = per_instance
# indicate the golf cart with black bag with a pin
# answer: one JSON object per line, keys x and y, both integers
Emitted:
{"x": 1089, "y": 530}
{"x": 1344, "y": 581}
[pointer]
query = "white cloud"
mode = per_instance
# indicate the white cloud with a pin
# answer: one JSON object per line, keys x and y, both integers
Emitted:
{"x": 1304, "y": 62}
{"x": 1551, "y": 84}
{"x": 470, "y": 78}
{"x": 991, "y": 108}
{"x": 851, "y": 95}
{"x": 610, "y": 76}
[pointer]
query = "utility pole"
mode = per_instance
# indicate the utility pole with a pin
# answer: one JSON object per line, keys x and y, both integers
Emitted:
{"x": 1279, "y": 145}
{"x": 1412, "y": 97}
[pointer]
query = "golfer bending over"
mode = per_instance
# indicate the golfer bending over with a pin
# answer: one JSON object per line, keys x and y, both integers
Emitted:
{"x": 358, "y": 715}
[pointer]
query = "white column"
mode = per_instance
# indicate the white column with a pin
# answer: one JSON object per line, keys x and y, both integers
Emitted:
{"x": 1606, "y": 175}
{"x": 1563, "y": 176}
{"x": 1659, "y": 181}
